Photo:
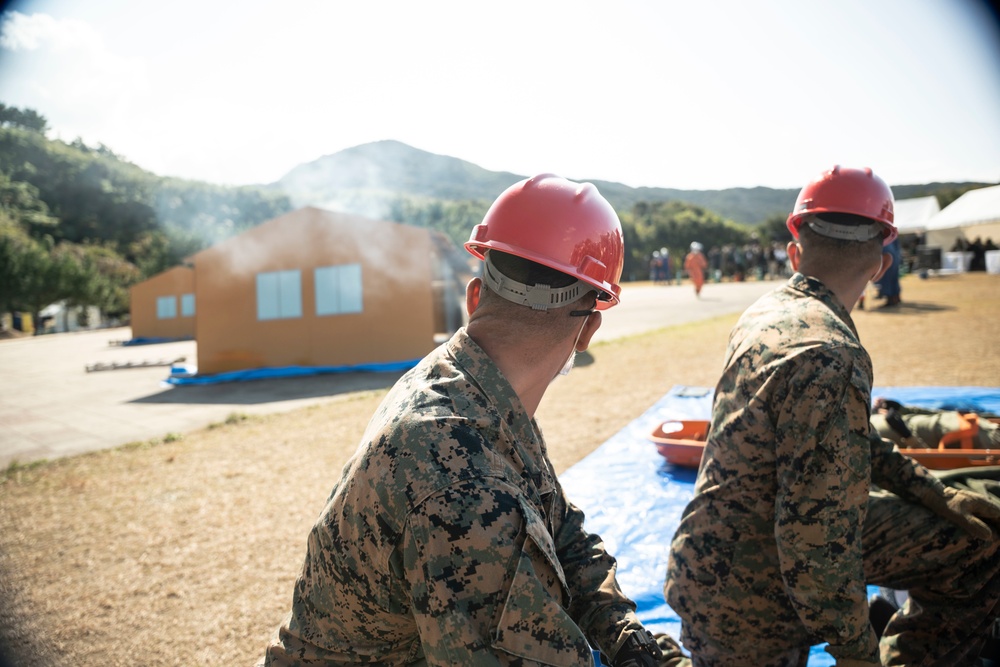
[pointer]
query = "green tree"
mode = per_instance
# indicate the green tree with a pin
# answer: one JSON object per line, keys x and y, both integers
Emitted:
{"x": 103, "y": 279}
{"x": 774, "y": 229}
{"x": 49, "y": 273}
{"x": 19, "y": 200}
{"x": 672, "y": 225}
{"x": 15, "y": 246}
{"x": 28, "y": 119}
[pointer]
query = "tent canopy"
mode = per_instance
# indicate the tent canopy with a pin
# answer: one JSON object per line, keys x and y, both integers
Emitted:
{"x": 911, "y": 215}
{"x": 975, "y": 207}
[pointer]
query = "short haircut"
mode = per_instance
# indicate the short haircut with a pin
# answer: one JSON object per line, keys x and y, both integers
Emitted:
{"x": 840, "y": 254}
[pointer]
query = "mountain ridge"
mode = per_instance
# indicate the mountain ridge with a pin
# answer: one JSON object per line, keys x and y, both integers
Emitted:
{"x": 364, "y": 179}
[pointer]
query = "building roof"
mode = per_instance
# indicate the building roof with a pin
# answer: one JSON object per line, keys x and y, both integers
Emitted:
{"x": 975, "y": 207}
{"x": 911, "y": 215}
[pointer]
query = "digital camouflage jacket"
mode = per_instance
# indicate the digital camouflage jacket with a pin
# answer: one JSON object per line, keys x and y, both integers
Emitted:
{"x": 768, "y": 553}
{"x": 449, "y": 541}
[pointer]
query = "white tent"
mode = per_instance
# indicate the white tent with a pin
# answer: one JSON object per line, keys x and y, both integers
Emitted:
{"x": 975, "y": 214}
{"x": 911, "y": 215}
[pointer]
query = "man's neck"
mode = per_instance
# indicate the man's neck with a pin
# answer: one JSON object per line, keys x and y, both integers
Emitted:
{"x": 529, "y": 371}
{"x": 847, "y": 290}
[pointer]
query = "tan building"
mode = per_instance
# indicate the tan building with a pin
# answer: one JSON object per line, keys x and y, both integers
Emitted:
{"x": 317, "y": 288}
{"x": 164, "y": 306}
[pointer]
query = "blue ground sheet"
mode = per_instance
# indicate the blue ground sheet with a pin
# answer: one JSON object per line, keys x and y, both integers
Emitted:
{"x": 185, "y": 375}
{"x": 633, "y": 498}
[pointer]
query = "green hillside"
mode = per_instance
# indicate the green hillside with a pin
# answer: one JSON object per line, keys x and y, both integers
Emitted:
{"x": 367, "y": 178}
{"x": 82, "y": 223}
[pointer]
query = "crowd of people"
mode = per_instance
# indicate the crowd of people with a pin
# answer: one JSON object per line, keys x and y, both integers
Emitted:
{"x": 448, "y": 539}
{"x": 978, "y": 248}
{"x": 730, "y": 263}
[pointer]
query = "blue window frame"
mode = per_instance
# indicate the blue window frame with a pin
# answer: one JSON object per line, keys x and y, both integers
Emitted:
{"x": 187, "y": 305}
{"x": 166, "y": 307}
{"x": 279, "y": 295}
{"x": 338, "y": 289}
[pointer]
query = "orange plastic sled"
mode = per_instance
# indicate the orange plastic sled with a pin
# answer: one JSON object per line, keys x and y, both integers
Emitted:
{"x": 956, "y": 448}
{"x": 682, "y": 442}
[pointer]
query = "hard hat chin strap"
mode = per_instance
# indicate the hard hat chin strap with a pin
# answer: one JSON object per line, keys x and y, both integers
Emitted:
{"x": 536, "y": 297}
{"x": 843, "y": 232}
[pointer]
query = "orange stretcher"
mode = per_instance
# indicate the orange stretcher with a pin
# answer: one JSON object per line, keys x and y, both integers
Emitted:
{"x": 956, "y": 449}
{"x": 682, "y": 442}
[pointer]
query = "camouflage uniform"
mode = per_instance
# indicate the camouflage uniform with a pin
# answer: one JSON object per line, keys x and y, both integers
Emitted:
{"x": 930, "y": 425}
{"x": 772, "y": 553}
{"x": 449, "y": 541}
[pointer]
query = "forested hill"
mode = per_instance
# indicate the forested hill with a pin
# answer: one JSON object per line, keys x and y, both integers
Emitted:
{"x": 370, "y": 176}
{"x": 83, "y": 224}
{"x": 370, "y": 179}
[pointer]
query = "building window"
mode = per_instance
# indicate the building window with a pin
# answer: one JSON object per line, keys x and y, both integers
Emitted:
{"x": 279, "y": 295}
{"x": 166, "y": 307}
{"x": 187, "y": 305}
{"x": 338, "y": 289}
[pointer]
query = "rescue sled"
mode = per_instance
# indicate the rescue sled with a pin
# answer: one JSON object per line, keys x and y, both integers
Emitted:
{"x": 956, "y": 448}
{"x": 681, "y": 442}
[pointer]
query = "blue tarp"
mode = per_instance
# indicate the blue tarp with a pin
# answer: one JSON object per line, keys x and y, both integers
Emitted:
{"x": 633, "y": 498}
{"x": 179, "y": 375}
{"x": 152, "y": 340}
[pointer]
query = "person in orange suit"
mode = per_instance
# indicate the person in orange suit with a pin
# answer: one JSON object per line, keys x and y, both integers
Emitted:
{"x": 695, "y": 264}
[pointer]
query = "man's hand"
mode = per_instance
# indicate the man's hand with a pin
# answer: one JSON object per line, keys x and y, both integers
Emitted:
{"x": 973, "y": 512}
{"x": 670, "y": 652}
{"x": 639, "y": 650}
{"x": 642, "y": 649}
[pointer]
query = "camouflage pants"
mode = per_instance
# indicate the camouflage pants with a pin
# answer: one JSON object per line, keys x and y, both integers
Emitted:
{"x": 705, "y": 653}
{"x": 953, "y": 580}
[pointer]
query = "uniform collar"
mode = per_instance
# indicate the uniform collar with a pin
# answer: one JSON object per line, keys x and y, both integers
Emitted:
{"x": 813, "y": 287}
{"x": 495, "y": 387}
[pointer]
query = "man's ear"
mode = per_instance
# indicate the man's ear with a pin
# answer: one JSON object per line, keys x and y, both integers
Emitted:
{"x": 794, "y": 254}
{"x": 589, "y": 329}
{"x": 472, "y": 293}
{"x": 886, "y": 265}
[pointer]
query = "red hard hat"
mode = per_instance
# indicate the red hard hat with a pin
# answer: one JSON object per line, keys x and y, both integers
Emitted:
{"x": 560, "y": 224}
{"x": 846, "y": 190}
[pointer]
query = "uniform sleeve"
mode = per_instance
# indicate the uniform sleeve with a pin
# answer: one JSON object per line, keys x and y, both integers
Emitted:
{"x": 485, "y": 583}
{"x": 599, "y": 606}
{"x": 823, "y": 468}
{"x": 896, "y": 472}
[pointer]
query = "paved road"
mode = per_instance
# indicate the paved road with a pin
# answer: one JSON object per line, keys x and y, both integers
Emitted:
{"x": 51, "y": 407}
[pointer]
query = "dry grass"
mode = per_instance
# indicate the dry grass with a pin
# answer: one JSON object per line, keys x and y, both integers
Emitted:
{"x": 184, "y": 552}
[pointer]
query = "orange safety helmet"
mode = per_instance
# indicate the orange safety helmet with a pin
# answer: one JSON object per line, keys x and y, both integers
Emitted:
{"x": 560, "y": 224}
{"x": 845, "y": 190}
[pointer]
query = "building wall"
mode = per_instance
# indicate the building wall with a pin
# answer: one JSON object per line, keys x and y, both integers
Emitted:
{"x": 395, "y": 322}
{"x": 147, "y": 321}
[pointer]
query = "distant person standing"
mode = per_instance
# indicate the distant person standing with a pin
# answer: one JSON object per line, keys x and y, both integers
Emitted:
{"x": 888, "y": 284}
{"x": 655, "y": 263}
{"x": 695, "y": 264}
{"x": 668, "y": 265}
{"x": 715, "y": 263}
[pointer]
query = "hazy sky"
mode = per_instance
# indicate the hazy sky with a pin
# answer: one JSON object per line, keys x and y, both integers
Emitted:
{"x": 698, "y": 94}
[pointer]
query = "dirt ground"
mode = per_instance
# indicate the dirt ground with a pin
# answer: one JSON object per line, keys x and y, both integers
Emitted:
{"x": 185, "y": 552}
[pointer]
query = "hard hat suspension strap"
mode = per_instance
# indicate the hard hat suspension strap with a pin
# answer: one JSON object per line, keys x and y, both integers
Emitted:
{"x": 843, "y": 232}
{"x": 536, "y": 297}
